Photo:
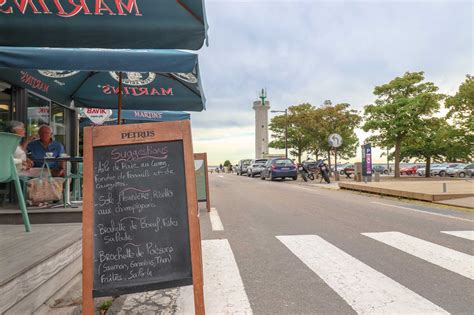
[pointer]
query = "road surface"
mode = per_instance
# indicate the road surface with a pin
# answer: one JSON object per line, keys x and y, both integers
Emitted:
{"x": 287, "y": 248}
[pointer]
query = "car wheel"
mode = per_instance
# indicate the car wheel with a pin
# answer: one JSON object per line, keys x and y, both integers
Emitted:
{"x": 295, "y": 177}
{"x": 248, "y": 174}
{"x": 462, "y": 174}
{"x": 442, "y": 174}
{"x": 262, "y": 177}
{"x": 385, "y": 172}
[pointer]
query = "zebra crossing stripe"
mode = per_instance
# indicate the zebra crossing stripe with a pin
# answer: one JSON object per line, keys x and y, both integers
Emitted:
{"x": 363, "y": 288}
{"x": 216, "y": 222}
{"x": 469, "y": 235}
{"x": 447, "y": 258}
{"x": 224, "y": 291}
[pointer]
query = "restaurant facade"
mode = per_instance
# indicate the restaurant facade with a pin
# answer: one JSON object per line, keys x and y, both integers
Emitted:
{"x": 34, "y": 110}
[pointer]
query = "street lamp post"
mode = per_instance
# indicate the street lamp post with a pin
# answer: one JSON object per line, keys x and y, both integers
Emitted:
{"x": 286, "y": 128}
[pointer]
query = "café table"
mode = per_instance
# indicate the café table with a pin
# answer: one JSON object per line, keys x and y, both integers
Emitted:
{"x": 68, "y": 160}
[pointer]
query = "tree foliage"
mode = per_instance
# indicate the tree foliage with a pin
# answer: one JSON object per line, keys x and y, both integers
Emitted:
{"x": 227, "y": 163}
{"x": 461, "y": 112}
{"x": 309, "y": 128}
{"x": 297, "y": 140}
{"x": 399, "y": 110}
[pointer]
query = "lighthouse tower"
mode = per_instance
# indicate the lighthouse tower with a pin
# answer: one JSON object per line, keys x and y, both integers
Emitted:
{"x": 261, "y": 125}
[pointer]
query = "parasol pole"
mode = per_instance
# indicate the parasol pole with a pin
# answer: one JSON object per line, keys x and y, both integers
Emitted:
{"x": 119, "y": 114}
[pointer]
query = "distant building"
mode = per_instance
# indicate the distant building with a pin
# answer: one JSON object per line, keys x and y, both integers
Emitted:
{"x": 261, "y": 126}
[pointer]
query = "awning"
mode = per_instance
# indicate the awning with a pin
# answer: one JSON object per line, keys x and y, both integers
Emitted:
{"x": 162, "y": 24}
{"x": 151, "y": 115}
{"x": 152, "y": 79}
{"x": 147, "y": 115}
{"x": 138, "y": 116}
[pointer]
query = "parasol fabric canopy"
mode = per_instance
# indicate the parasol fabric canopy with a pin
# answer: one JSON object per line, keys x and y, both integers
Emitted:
{"x": 152, "y": 79}
{"x": 151, "y": 115}
{"x": 162, "y": 24}
{"x": 142, "y": 116}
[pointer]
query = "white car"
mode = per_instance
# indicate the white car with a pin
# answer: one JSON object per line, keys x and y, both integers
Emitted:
{"x": 441, "y": 169}
{"x": 256, "y": 167}
{"x": 461, "y": 170}
{"x": 422, "y": 170}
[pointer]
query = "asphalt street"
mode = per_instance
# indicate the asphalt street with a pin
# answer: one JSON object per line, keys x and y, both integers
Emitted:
{"x": 300, "y": 249}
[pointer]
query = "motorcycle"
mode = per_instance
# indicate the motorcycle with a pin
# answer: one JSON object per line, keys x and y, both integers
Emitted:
{"x": 305, "y": 172}
{"x": 312, "y": 168}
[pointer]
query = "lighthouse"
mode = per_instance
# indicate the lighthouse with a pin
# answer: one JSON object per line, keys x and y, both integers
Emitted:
{"x": 261, "y": 125}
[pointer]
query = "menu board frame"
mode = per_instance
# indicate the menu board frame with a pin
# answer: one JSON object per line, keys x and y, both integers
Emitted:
{"x": 139, "y": 134}
{"x": 203, "y": 157}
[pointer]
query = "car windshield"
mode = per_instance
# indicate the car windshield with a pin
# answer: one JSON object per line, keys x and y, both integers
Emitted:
{"x": 246, "y": 162}
{"x": 460, "y": 166}
{"x": 283, "y": 162}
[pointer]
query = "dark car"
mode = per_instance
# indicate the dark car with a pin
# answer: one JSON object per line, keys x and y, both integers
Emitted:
{"x": 279, "y": 168}
{"x": 379, "y": 169}
{"x": 242, "y": 166}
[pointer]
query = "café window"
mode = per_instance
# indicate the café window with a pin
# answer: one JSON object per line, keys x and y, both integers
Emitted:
{"x": 5, "y": 103}
{"x": 58, "y": 123}
{"x": 38, "y": 113}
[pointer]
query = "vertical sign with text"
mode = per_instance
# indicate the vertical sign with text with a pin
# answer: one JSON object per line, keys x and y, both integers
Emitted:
{"x": 366, "y": 159}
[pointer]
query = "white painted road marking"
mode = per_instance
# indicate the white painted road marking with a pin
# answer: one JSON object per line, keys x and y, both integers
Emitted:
{"x": 216, "y": 222}
{"x": 447, "y": 258}
{"x": 363, "y": 288}
{"x": 224, "y": 291}
{"x": 469, "y": 235}
{"x": 424, "y": 212}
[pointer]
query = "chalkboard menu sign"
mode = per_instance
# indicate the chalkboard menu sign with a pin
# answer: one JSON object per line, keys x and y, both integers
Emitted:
{"x": 141, "y": 233}
{"x": 202, "y": 179}
{"x": 140, "y": 218}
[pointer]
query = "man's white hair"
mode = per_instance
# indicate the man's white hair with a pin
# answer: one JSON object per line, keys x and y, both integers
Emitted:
{"x": 45, "y": 126}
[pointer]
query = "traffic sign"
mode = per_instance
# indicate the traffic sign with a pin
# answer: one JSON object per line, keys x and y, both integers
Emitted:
{"x": 335, "y": 140}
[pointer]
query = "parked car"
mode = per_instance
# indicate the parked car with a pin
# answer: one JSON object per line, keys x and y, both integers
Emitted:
{"x": 256, "y": 167}
{"x": 408, "y": 170}
{"x": 380, "y": 169}
{"x": 348, "y": 170}
{"x": 242, "y": 166}
{"x": 279, "y": 168}
{"x": 461, "y": 170}
{"x": 441, "y": 169}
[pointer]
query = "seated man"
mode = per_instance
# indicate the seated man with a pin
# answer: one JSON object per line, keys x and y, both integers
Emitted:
{"x": 39, "y": 148}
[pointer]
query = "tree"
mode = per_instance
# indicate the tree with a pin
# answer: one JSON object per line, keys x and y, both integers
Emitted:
{"x": 297, "y": 140}
{"x": 328, "y": 119}
{"x": 429, "y": 141}
{"x": 461, "y": 110}
{"x": 399, "y": 109}
{"x": 227, "y": 163}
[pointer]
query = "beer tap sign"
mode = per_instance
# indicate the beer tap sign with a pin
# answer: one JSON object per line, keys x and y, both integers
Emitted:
{"x": 335, "y": 141}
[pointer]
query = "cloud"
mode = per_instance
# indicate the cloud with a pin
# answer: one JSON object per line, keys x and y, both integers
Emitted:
{"x": 309, "y": 51}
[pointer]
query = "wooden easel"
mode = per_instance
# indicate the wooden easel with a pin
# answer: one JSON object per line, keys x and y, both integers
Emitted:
{"x": 114, "y": 136}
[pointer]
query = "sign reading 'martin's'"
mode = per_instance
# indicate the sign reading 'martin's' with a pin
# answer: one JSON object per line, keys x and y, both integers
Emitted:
{"x": 132, "y": 24}
{"x": 67, "y": 9}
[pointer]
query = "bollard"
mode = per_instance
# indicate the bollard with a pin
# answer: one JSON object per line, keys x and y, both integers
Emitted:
{"x": 377, "y": 177}
{"x": 445, "y": 188}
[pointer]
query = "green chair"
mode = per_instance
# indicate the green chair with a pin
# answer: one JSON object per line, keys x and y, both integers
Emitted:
{"x": 77, "y": 183}
{"x": 8, "y": 173}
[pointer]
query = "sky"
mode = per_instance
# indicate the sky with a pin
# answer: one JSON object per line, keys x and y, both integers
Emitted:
{"x": 311, "y": 51}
